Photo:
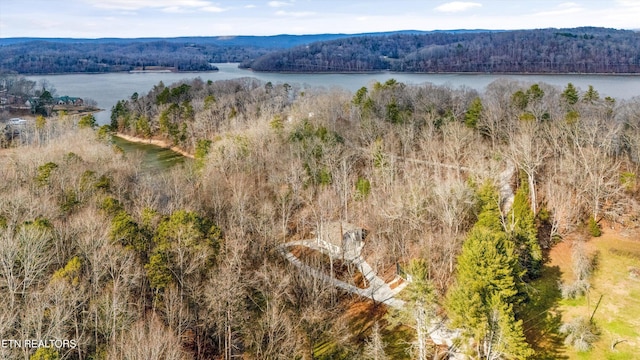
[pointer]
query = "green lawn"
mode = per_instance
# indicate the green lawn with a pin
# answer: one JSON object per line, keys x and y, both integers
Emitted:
{"x": 618, "y": 315}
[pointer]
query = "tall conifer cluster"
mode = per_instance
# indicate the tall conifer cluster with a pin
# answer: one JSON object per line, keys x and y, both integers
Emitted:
{"x": 489, "y": 286}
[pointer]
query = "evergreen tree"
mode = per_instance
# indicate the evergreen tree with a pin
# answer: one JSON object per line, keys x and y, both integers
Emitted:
{"x": 87, "y": 121}
{"x": 591, "y": 96}
{"x": 185, "y": 245}
{"x": 473, "y": 113}
{"x": 535, "y": 93}
{"x": 522, "y": 230}
{"x": 488, "y": 286}
{"x": 570, "y": 94}
{"x": 202, "y": 150}
{"x": 489, "y": 205}
{"x": 421, "y": 305}
{"x": 481, "y": 303}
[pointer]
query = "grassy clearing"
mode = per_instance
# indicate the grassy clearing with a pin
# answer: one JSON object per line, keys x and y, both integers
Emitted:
{"x": 542, "y": 316}
{"x": 618, "y": 315}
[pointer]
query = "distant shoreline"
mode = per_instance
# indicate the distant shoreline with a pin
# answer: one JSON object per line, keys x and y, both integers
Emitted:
{"x": 438, "y": 73}
{"x": 117, "y": 72}
{"x": 334, "y": 73}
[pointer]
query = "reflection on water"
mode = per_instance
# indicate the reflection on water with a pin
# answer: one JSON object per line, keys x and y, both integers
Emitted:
{"x": 153, "y": 157}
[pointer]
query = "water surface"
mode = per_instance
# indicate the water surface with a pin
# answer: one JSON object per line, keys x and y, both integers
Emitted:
{"x": 107, "y": 89}
{"x": 155, "y": 158}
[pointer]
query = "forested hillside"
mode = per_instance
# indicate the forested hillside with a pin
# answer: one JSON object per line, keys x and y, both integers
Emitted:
{"x": 579, "y": 50}
{"x": 466, "y": 192}
{"x": 59, "y": 55}
{"x": 46, "y": 57}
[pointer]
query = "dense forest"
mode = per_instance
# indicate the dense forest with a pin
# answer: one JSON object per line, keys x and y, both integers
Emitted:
{"x": 45, "y": 57}
{"x": 578, "y": 50}
{"x": 464, "y": 191}
{"x": 59, "y": 55}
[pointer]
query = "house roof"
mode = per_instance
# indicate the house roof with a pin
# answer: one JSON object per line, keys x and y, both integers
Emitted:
{"x": 66, "y": 98}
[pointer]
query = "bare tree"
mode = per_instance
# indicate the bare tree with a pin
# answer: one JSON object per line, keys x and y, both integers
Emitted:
{"x": 374, "y": 346}
{"x": 529, "y": 152}
{"x": 225, "y": 293}
{"x": 148, "y": 339}
{"x": 450, "y": 204}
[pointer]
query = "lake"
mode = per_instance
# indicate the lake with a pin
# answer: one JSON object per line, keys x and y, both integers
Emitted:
{"x": 107, "y": 89}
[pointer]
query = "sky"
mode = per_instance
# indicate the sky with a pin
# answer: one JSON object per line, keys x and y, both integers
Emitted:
{"x": 172, "y": 18}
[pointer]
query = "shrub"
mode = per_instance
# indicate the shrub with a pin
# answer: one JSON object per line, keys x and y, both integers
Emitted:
{"x": 44, "y": 172}
{"x": 103, "y": 133}
{"x": 202, "y": 150}
{"x": 628, "y": 181}
{"x": 110, "y": 205}
{"x": 87, "y": 121}
{"x": 575, "y": 289}
{"x": 581, "y": 333}
{"x": 45, "y": 354}
{"x": 363, "y": 188}
{"x": 594, "y": 228}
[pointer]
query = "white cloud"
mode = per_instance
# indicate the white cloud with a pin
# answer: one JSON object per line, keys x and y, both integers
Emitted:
{"x": 250, "y": 6}
{"x": 213, "y": 9}
{"x": 144, "y": 4}
{"x": 173, "y": 10}
{"x": 457, "y": 6}
{"x": 277, "y": 4}
{"x": 628, "y": 3}
{"x": 294, "y": 13}
{"x": 562, "y": 9}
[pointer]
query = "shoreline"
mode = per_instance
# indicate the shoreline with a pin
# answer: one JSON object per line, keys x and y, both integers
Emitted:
{"x": 441, "y": 73}
{"x": 160, "y": 143}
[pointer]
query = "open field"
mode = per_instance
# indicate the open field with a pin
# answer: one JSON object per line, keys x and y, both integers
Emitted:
{"x": 618, "y": 315}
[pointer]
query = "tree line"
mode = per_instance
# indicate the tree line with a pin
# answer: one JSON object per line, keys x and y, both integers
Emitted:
{"x": 578, "y": 50}
{"x": 185, "y": 263}
{"x": 59, "y": 55}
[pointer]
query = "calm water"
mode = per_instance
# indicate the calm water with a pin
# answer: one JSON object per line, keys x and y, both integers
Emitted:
{"x": 154, "y": 157}
{"x": 107, "y": 89}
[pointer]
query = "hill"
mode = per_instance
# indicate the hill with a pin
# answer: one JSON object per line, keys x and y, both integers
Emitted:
{"x": 69, "y": 55}
{"x": 577, "y": 50}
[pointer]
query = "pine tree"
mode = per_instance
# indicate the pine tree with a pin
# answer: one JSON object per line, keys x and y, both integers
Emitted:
{"x": 489, "y": 206}
{"x": 481, "y": 304}
{"x": 591, "y": 96}
{"x": 522, "y": 230}
{"x": 473, "y": 113}
{"x": 570, "y": 94}
{"x": 488, "y": 286}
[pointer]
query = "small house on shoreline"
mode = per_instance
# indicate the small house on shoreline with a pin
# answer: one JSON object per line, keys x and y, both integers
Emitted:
{"x": 69, "y": 100}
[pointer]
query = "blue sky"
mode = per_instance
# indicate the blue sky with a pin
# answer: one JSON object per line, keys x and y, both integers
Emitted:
{"x": 168, "y": 18}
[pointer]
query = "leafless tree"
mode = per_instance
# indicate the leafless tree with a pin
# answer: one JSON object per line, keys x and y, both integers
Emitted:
{"x": 529, "y": 152}
{"x": 374, "y": 346}
{"x": 148, "y": 339}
